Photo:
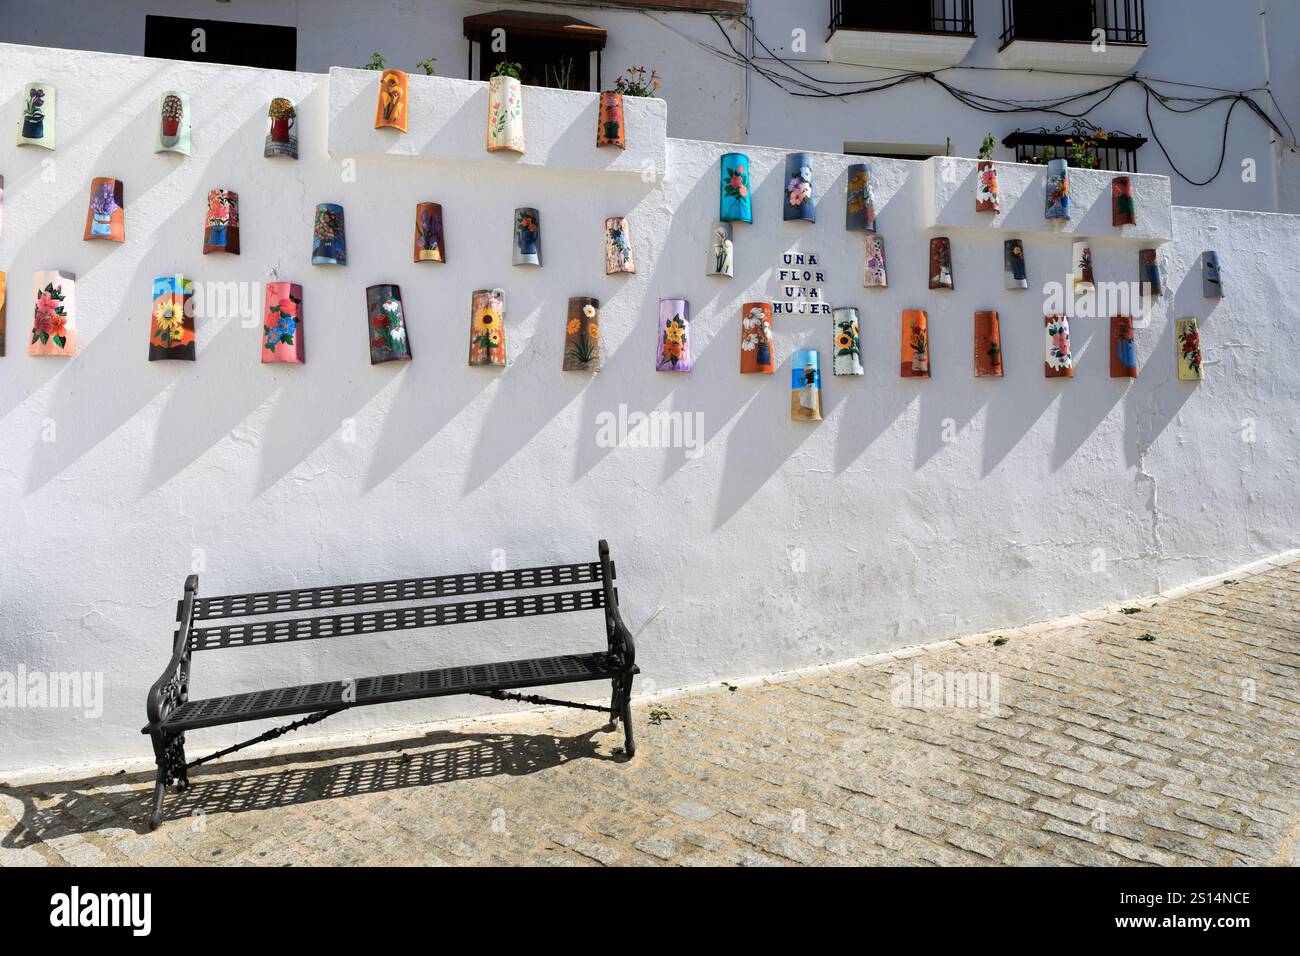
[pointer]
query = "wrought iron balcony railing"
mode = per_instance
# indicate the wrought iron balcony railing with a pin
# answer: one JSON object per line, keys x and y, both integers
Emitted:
{"x": 949, "y": 17}
{"x": 1120, "y": 21}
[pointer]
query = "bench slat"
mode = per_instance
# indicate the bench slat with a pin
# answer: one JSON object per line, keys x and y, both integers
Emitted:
{"x": 406, "y": 589}
{"x": 284, "y": 701}
{"x": 392, "y": 619}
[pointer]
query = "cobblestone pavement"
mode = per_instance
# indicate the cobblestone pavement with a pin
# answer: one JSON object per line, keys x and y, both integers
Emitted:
{"x": 1170, "y": 735}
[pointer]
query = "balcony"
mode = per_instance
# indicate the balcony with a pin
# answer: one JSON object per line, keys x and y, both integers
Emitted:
{"x": 1092, "y": 36}
{"x": 921, "y": 34}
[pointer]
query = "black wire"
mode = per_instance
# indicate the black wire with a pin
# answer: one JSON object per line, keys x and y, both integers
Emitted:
{"x": 807, "y": 85}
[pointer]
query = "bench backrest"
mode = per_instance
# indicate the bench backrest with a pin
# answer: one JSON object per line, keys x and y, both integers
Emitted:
{"x": 244, "y": 633}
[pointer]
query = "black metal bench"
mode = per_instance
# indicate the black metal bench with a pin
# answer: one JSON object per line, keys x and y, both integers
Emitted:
{"x": 172, "y": 713}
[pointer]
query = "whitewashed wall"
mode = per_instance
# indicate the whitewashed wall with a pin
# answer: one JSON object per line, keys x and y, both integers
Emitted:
{"x": 1247, "y": 44}
{"x": 903, "y": 536}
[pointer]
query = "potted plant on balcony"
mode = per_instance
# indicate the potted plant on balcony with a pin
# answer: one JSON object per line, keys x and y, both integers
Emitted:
{"x": 505, "y": 129}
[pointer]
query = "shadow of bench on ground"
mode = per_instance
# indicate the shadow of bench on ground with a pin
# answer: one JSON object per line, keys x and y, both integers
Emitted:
{"x": 51, "y": 810}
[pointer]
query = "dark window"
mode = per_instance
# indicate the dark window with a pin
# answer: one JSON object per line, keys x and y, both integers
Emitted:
{"x": 1077, "y": 144}
{"x": 1121, "y": 21}
{"x": 552, "y": 49}
{"x": 222, "y": 41}
{"x": 908, "y": 16}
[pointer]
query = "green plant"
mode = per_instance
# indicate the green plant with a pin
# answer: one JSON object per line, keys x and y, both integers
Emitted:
{"x": 1148, "y": 637}
{"x": 506, "y": 68}
{"x": 637, "y": 82}
{"x": 658, "y": 716}
{"x": 377, "y": 62}
{"x": 987, "y": 145}
{"x": 947, "y": 145}
{"x": 998, "y": 641}
{"x": 1130, "y": 610}
{"x": 427, "y": 65}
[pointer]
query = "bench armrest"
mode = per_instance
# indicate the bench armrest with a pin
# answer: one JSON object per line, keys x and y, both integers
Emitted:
{"x": 172, "y": 688}
{"x": 620, "y": 638}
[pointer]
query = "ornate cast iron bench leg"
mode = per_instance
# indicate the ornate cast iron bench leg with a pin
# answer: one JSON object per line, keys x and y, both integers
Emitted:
{"x": 626, "y": 708}
{"x": 170, "y": 754}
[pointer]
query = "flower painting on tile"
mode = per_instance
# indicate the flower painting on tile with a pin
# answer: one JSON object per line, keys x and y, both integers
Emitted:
{"x": 848, "y": 343}
{"x": 618, "y": 246}
{"x": 282, "y": 339}
{"x": 1187, "y": 336}
{"x": 173, "y": 123}
{"x": 1013, "y": 263}
{"x": 528, "y": 237}
{"x": 875, "y": 276}
{"x": 1123, "y": 212}
{"x": 221, "y": 229}
{"x": 987, "y": 198}
{"x": 387, "y": 325}
{"x": 1059, "y": 363}
{"x": 281, "y": 129}
{"x": 805, "y": 387}
{"x": 390, "y": 110}
{"x": 4, "y": 286}
{"x": 674, "y": 349}
{"x": 487, "y": 334}
{"x": 798, "y": 188}
{"x": 1211, "y": 276}
{"x": 582, "y": 335}
{"x": 914, "y": 345}
{"x": 505, "y": 124}
{"x": 1123, "y": 353}
{"x": 860, "y": 213}
{"x": 329, "y": 245}
{"x": 757, "y": 347}
{"x": 36, "y": 125}
{"x": 609, "y": 126}
{"x": 171, "y": 322}
{"x": 54, "y": 330}
{"x": 1082, "y": 266}
{"x": 1150, "y": 275}
{"x": 721, "y": 251}
{"x": 988, "y": 345}
{"x": 1057, "y": 191}
{"x": 429, "y": 244}
{"x": 940, "y": 263}
{"x": 735, "y": 204}
{"x": 106, "y": 215}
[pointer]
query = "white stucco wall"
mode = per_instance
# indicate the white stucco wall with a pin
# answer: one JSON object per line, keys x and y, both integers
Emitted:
{"x": 1209, "y": 44}
{"x": 917, "y": 511}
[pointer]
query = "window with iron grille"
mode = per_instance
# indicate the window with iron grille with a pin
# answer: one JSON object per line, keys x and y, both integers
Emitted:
{"x": 1121, "y": 21}
{"x": 906, "y": 16}
{"x": 1079, "y": 144}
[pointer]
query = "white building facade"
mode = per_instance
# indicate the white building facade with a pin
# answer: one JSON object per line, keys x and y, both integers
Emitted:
{"x": 806, "y": 73}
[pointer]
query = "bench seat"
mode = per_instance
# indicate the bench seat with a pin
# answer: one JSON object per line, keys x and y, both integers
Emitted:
{"x": 413, "y": 685}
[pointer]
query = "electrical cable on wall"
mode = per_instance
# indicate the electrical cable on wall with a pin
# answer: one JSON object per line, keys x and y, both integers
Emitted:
{"x": 804, "y": 84}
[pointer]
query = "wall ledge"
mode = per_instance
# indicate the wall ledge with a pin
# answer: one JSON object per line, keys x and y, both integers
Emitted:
{"x": 448, "y": 121}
